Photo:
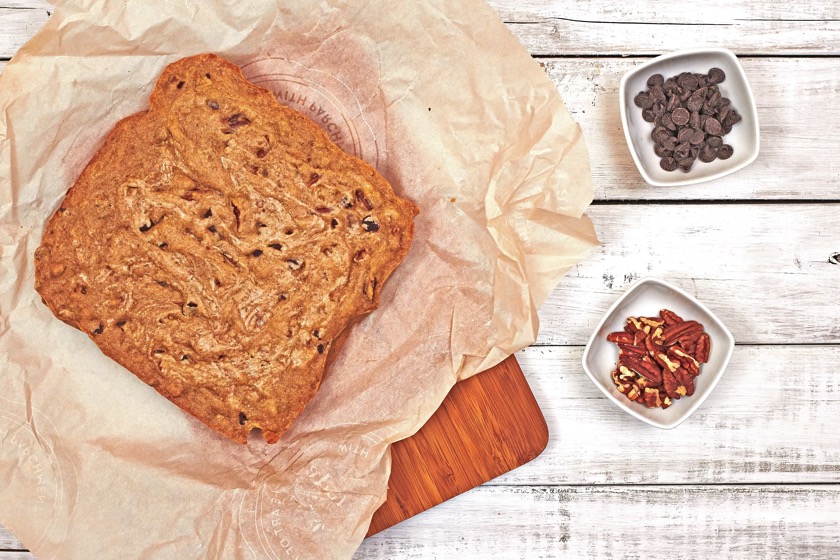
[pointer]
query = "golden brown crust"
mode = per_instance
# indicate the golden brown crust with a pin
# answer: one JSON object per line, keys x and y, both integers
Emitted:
{"x": 218, "y": 244}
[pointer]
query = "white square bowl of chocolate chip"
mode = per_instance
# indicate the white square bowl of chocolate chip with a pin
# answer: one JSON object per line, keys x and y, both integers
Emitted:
{"x": 651, "y": 335}
{"x": 689, "y": 117}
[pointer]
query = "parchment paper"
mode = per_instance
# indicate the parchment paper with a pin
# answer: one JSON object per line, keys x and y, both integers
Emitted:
{"x": 444, "y": 102}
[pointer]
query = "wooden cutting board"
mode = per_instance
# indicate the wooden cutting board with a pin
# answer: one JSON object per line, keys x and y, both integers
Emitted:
{"x": 488, "y": 425}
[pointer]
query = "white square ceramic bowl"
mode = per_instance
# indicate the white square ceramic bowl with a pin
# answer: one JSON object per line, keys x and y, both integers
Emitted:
{"x": 646, "y": 297}
{"x": 744, "y": 137}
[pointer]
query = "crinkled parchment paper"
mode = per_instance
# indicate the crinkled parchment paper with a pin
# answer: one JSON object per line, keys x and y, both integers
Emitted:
{"x": 444, "y": 102}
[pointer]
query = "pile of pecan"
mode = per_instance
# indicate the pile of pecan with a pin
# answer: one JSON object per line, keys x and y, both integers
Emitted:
{"x": 658, "y": 358}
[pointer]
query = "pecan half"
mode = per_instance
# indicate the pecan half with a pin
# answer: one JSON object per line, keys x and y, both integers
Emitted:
{"x": 641, "y": 367}
{"x": 670, "y": 318}
{"x": 686, "y": 380}
{"x": 620, "y": 338}
{"x": 701, "y": 350}
{"x": 688, "y": 330}
{"x": 630, "y": 349}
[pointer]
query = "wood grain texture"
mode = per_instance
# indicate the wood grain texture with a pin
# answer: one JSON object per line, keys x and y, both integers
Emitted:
{"x": 771, "y": 419}
{"x": 611, "y": 522}
{"x": 762, "y": 268}
{"x": 788, "y": 134}
{"x": 15, "y": 555}
{"x": 602, "y": 27}
{"x": 486, "y": 426}
{"x": 8, "y": 541}
{"x": 17, "y": 25}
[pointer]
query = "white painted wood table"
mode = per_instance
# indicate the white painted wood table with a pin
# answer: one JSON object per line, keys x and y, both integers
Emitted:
{"x": 755, "y": 473}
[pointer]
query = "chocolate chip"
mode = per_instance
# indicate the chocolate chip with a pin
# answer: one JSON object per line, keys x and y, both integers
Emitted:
{"x": 714, "y": 142}
{"x": 323, "y": 210}
{"x": 662, "y": 151}
{"x": 658, "y": 109}
{"x": 716, "y": 75}
{"x": 192, "y": 304}
{"x": 295, "y": 264}
{"x": 655, "y": 80}
{"x": 697, "y": 136}
{"x": 670, "y": 143}
{"x": 208, "y": 214}
{"x": 320, "y": 348}
{"x": 236, "y": 213}
{"x": 643, "y": 100}
{"x": 680, "y": 116}
{"x": 688, "y": 81}
{"x": 333, "y": 223}
{"x": 659, "y": 134}
{"x": 257, "y": 253}
{"x": 317, "y": 334}
{"x": 657, "y": 94}
{"x": 713, "y": 127}
{"x": 184, "y": 357}
{"x": 694, "y": 121}
{"x": 283, "y": 297}
{"x": 213, "y": 105}
{"x": 647, "y": 114}
{"x": 276, "y": 246}
{"x": 682, "y": 150}
{"x": 370, "y": 225}
{"x": 707, "y": 154}
{"x": 181, "y": 84}
{"x": 211, "y": 229}
{"x": 313, "y": 179}
{"x": 673, "y": 104}
{"x": 668, "y": 164}
{"x": 99, "y": 329}
{"x": 732, "y": 118}
{"x": 146, "y": 227}
{"x": 668, "y": 123}
{"x": 694, "y": 103}
{"x": 237, "y": 121}
{"x": 242, "y": 418}
{"x": 685, "y": 134}
{"x": 261, "y": 153}
{"x": 685, "y": 164}
{"x": 725, "y": 152}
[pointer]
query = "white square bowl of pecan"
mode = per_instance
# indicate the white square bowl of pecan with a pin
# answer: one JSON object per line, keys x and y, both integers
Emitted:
{"x": 689, "y": 117}
{"x": 658, "y": 353}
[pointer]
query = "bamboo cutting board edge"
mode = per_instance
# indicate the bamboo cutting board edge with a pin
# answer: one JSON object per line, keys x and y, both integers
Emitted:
{"x": 488, "y": 425}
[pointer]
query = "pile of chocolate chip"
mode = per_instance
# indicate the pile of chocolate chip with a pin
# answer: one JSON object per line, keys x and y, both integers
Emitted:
{"x": 689, "y": 116}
